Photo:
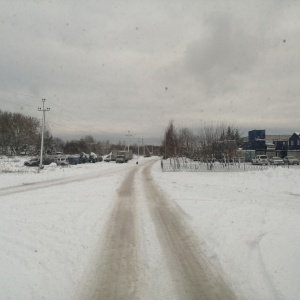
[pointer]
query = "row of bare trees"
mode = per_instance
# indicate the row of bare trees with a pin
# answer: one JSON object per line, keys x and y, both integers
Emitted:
{"x": 17, "y": 130}
{"x": 89, "y": 144}
{"x": 20, "y": 134}
{"x": 208, "y": 142}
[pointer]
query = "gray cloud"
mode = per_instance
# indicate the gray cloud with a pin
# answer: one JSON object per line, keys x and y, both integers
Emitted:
{"x": 110, "y": 66}
{"x": 224, "y": 52}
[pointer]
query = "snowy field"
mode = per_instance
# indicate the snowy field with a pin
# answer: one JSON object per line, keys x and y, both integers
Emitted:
{"x": 248, "y": 224}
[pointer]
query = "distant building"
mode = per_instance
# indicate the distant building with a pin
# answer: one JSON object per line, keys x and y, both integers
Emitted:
{"x": 256, "y": 141}
{"x": 294, "y": 141}
{"x": 272, "y": 138}
{"x": 270, "y": 145}
{"x": 280, "y": 142}
{"x": 256, "y": 134}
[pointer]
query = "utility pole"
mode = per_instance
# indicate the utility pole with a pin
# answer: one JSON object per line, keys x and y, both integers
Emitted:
{"x": 143, "y": 146}
{"x": 128, "y": 136}
{"x": 43, "y": 129}
{"x": 139, "y": 140}
{"x": 165, "y": 146}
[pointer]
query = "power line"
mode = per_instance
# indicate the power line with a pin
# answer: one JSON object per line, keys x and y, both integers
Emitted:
{"x": 62, "y": 108}
{"x": 52, "y": 102}
{"x": 15, "y": 102}
{"x": 17, "y": 93}
{"x": 58, "y": 115}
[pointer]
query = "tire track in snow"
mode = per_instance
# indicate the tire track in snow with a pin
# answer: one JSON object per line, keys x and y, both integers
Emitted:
{"x": 193, "y": 276}
{"x": 54, "y": 182}
{"x": 115, "y": 274}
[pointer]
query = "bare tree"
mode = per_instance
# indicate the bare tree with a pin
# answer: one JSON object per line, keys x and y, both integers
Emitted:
{"x": 58, "y": 144}
{"x": 17, "y": 132}
{"x": 170, "y": 144}
{"x": 186, "y": 141}
{"x": 218, "y": 141}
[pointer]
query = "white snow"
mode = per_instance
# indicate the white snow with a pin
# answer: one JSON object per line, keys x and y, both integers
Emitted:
{"x": 247, "y": 223}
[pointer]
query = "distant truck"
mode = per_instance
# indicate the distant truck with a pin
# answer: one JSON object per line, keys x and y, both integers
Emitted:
{"x": 127, "y": 154}
{"x": 114, "y": 153}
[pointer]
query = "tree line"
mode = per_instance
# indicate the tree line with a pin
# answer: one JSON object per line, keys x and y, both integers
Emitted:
{"x": 210, "y": 141}
{"x": 20, "y": 134}
{"x": 17, "y": 130}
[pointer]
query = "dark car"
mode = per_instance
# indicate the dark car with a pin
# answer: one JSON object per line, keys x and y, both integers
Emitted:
{"x": 73, "y": 160}
{"x": 83, "y": 158}
{"x": 36, "y": 162}
{"x": 93, "y": 158}
{"x": 291, "y": 160}
{"x": 47, "y": 161}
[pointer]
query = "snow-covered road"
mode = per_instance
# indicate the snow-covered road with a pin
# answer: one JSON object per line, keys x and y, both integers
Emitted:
{"x": 120, "y": 270}
{"x": 57, "y": 232}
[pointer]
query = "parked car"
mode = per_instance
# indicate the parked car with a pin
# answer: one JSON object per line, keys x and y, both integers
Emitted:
{"x": 83, "y": 158}
{"x": 93, "y": 157}
{"x": 120, "y": 159}
{"x": 260, "y": 160}
{"x": 275, "y": 160}
{"x": 62, "y": 161}
{"x": 32, "y": 162}
{"x": 73, "y": 160}
{"x": 47, "y": 161}
{"x": 291, "y": 160}
{"x": 36, "y": 161}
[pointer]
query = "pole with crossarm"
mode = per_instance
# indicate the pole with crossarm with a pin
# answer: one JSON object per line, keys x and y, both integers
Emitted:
{"x": 128, "y": 137}
{"x": 43, "y": 129}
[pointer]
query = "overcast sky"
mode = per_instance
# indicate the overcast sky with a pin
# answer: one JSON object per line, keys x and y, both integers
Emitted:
{"x": 109, "y": 67}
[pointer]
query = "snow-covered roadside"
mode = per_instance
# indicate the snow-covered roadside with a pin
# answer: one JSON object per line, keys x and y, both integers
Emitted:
{"x": 248, "y": 223}
{"x": 13, "y": 172}
{"x": 48, "y": 236}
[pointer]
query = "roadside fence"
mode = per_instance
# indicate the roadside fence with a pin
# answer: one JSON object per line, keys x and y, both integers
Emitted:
{"x": 210, "y": 167}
